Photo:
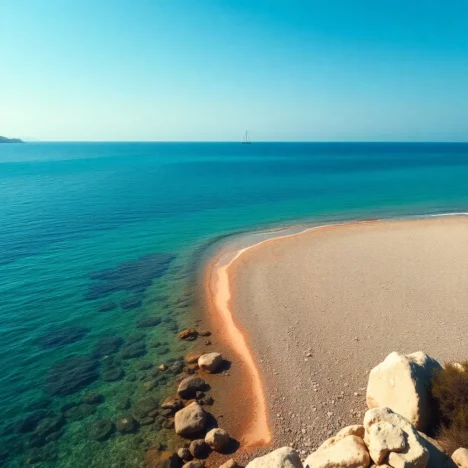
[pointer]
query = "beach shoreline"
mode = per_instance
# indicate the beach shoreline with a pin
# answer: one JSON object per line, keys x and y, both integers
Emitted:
{"x": 226, "y": 277}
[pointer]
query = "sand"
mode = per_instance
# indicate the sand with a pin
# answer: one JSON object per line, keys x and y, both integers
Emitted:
{"x": 308, "y": 315}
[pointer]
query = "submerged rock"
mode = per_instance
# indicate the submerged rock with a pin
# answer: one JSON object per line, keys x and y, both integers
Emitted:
{"x": 162, "y": 459}
{"x": 48, "y": 425}
{"x": 144, "y": 406}
{"x": 127, "y": 425}
{"x": 107, "y": 307}
{"x": 29, "y": 423}
{"x": 133, "y": 276}
{"x": 148, "y": 322}
{"x": 112, "y": 373}
{"x": 131, "y": 303}
{"x": 123, "y": 403}
{"x": 62, "y": 337}
{"x": 92, "y": 398}
{"x": 101, "y": 429}
{"x": 80, "y": 412}
{"x": 107, "y": 345}
{"x": 71, "y": 374}
{"x": 131, "y": 351}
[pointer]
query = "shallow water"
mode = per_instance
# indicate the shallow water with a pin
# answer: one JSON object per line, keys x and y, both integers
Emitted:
{"x": 95, "y": 238}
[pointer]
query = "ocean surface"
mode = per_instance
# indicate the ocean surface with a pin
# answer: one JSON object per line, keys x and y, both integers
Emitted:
{"x": 99, "y": 249}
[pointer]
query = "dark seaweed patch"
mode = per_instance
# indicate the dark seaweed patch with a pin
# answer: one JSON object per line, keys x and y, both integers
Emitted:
{"x": 134, "y": 276}
{"x": 62, "y": 337}
{"x": 71, "y": 374}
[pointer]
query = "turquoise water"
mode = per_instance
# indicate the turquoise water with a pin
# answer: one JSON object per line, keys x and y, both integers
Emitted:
{"x": 102, "y": 240}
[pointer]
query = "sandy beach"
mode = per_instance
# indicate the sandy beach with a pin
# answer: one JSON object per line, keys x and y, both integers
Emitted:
{"x": 308, "y": 315}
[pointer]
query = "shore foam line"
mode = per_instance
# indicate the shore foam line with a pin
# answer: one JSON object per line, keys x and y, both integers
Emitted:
{"x": 259, "y": 432}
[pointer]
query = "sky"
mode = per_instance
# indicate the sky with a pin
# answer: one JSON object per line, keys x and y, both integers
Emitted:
{"x": 207, "y": 70}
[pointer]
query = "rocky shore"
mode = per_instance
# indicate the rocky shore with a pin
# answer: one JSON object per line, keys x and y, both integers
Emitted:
{"x": 395, "y": 432}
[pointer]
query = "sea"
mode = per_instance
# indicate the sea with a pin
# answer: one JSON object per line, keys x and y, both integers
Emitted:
{"x": 101, "y": 246}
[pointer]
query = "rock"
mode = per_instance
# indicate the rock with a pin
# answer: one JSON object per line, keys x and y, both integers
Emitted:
{"x": 92, "y": 398}
{"x": 230, "y": 464}
{"x": 144, "y": 406}
{"x": 101, "y": 430}
{"x": 184, "y": 454}
{"x": 123, "y": 403}
{"x": 148, "y": 322}
{"x": 356, "y": 430}
{"x": 29, "y": 423}
{"x": 349, "y": 452}
{"x": 143, "y": 365}
{"x": 189, "y": 334}
{"x": 198, "y": 448}
{"x": 107, "y": 307}
{"x": 192, "y": 357}
{"x": 162, "y": 367}
{"x": 112, "y": 373}
{"x": 168, "y": 423}
{"x": 49, "y": 425}
{"x": 79, "y": 412}
{"x": 162, "y": 459}
{"x": 437, "y": 457}
{"x": 132, "y": 276}
{"x": 107, "y": 345}
{"x": 402, "y": 383}
{"x": 384, "y": 438}
{"x": 285, "y": 457}
{"x": 71, "y": 375}
{"x": 63, "y": 336}
{"x": 206, "y": 400}
{"x": 177, "y": 366}
{"x": 414, "y": 455}
{"x": 172, "y": 403}
{"x": 190, "y": 386}
{"x": 133, "y": 350}
{"x": 194, "y": 464}
{"x": 210, "y": 362}
{"x": 135, "y": 337}
{"x": 126, "y": 425}
{"x": 190, "y": 420}
{"x": 147, "y": 421}
{"x": 460, "y": 457}
{"x": 204, "y": 333}
{"x": 217, "y": 439}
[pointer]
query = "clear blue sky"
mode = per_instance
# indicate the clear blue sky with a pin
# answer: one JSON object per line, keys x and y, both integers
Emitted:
{"x": 207, "y": 70}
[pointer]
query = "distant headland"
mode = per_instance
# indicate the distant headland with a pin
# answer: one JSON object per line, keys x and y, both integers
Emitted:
{"x": 10, "y": 140}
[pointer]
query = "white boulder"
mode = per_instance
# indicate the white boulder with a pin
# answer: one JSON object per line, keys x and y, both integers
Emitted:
{"x": 217, "y": 439}
{"x": 413, "y": 455}
{"x": 346, "y": 452}
{"x": 460, "y": 457}
{"x": 384, "y": 438}
{"x": 190, "y": 420}
{"x": 285, "y": 457}
{"x": 210, "y": 362}
{"x": 355, "y": 429}
{"x": 402, "y": 383}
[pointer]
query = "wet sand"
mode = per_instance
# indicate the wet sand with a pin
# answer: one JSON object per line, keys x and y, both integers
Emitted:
{"x": 306, "y": 317}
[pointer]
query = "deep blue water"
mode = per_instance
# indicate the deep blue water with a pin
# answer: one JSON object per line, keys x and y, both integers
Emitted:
{"x": 96, "y": 237}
